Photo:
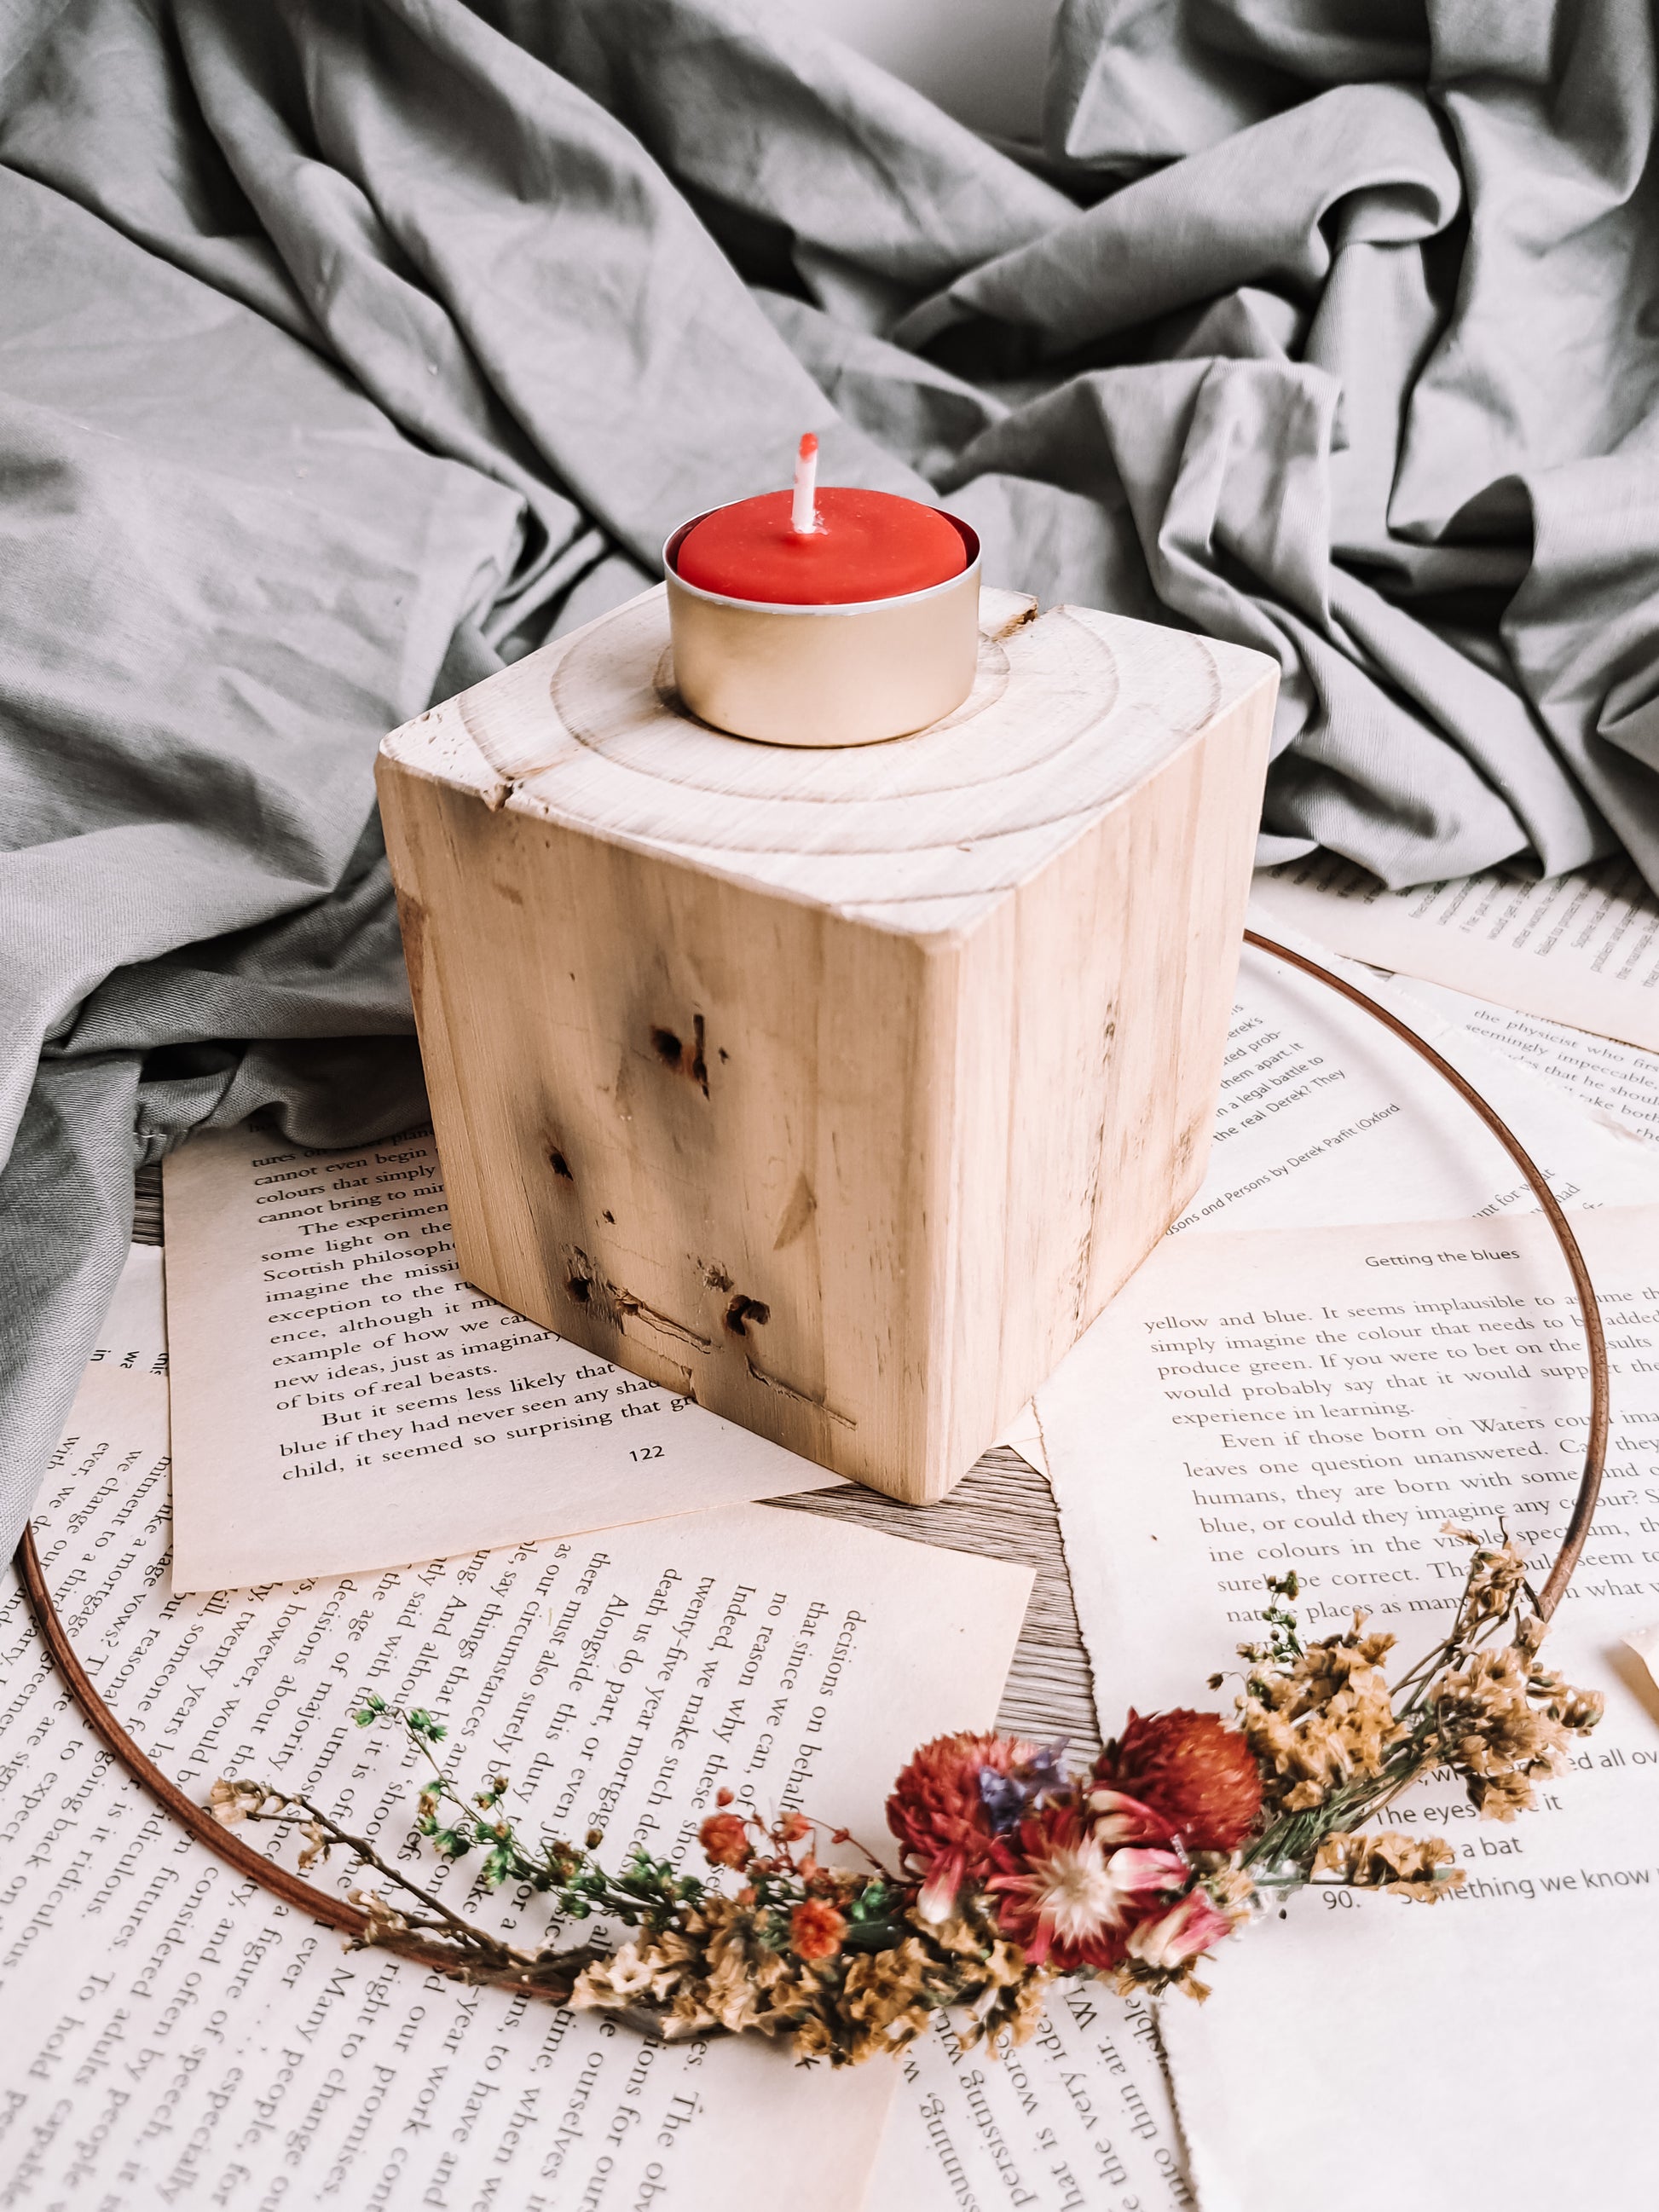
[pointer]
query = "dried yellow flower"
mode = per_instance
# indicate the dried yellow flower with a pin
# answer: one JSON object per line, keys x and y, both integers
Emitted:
{"x": 1326, "y": 1721}
{"x": 1502, "y": 1720}
{"x": 1498, "y": 1575}
{"x": 385, "y": 1921}
{"x": 1421, "y": 1867}
{"x": 315, "y": 1846}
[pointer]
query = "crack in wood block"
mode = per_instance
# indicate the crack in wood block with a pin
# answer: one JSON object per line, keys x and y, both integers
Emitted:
{"x": 837, "y": 1090}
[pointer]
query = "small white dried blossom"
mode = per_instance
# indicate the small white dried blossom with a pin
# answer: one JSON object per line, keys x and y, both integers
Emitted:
{"x": 230, "y": 1803}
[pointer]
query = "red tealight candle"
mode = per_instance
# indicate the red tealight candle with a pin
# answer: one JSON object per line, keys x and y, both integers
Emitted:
{"x": 822, "y": 549}
{"x": 844, "y": 617}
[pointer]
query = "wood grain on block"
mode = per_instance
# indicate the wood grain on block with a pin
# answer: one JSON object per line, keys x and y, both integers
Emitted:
{"x": 839, "y": 1090}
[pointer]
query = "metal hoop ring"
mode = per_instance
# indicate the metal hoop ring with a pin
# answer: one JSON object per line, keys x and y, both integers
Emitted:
{"x": 335, "y": 1912}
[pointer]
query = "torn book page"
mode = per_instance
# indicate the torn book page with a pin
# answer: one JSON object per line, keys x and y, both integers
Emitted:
{"x": 1618, "y": 1083}
{"x": 1581, "y": 948}
{"x": 1325, "y": 1117}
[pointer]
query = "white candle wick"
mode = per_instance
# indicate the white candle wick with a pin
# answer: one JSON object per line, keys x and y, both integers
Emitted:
{"x": 804, "y": 512}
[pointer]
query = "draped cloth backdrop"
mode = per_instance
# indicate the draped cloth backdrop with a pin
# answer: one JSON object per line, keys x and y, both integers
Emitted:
{"x": 350, "y": 347}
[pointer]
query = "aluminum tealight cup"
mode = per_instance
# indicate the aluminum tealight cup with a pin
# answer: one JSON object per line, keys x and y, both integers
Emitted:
{"x": 845, "y": 675}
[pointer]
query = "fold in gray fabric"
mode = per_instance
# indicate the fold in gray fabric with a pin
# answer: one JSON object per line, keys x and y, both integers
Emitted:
{"x": 350, "y": 347}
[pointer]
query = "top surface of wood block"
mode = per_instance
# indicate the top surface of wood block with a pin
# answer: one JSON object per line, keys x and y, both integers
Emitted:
{"x": 1069, "y": 712}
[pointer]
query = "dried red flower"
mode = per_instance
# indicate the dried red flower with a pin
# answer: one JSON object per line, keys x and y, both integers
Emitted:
{"x": 1070, "y": 1900}
{"x": 940, "y": 1815}
{"x": 1196, "y": 1774}
{"x": 725, "y": 1841}
{"x": 816, "y": 1930}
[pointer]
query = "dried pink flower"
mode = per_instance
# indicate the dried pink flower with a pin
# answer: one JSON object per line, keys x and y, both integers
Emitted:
{"x": 1124, "y": 1819}
{"x": 1172, "y": 1939}
{"x": 1067, "y": 1897}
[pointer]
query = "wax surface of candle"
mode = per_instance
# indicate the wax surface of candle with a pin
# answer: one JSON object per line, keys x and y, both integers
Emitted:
{"x": 868, "y": 545}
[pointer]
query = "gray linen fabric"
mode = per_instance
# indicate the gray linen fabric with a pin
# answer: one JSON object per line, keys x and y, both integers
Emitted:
{"x": 349, "y": 348}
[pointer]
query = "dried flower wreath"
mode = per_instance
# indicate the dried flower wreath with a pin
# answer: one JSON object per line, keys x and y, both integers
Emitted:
{"x": 1013, "y": 1870}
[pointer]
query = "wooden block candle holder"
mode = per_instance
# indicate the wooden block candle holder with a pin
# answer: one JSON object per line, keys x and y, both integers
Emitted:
{"x": 838, "y": 1090}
